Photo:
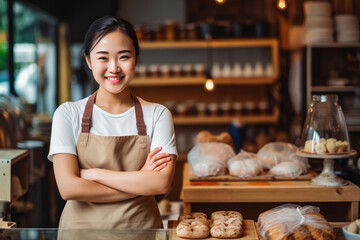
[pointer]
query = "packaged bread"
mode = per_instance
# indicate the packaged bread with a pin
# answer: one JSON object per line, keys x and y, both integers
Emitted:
{"x": 291, "y": 221}
{"x": 276, "y": 152}
{"x": 210, "y": 159}
{"x": 245, "y": 164}
{"x": 290, "y": 168}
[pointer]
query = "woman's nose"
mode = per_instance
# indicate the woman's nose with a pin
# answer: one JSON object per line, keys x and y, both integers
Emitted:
{"x": 114, "y": 67}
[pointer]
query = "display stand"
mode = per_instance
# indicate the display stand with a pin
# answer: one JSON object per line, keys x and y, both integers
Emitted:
{"x": 327, "y": 176}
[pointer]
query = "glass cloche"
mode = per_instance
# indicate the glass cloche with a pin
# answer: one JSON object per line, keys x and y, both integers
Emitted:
{"x": 325, "y": 136}
{"x": 325, "y": 130}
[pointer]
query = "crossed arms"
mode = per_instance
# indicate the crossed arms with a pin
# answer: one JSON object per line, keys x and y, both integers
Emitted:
{"x": 101, "y": 185}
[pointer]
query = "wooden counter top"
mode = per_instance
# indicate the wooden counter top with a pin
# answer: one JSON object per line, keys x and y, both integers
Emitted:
{"x": 267, "y": 192}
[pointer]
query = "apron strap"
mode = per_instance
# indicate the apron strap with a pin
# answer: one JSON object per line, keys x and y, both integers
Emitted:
{"x": 139, "y": 117}
{"x": 86, "y": 119}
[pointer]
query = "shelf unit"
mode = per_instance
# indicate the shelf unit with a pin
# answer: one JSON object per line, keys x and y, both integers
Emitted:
{"x": 322, "y": 57}
{"x": 310, "y": 88}
{"x": 247, "y": 119}
{"x": 178, "y": 81}
{"x": 183, "y": 88}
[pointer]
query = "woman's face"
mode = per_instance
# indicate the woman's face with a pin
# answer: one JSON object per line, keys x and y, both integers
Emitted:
{"x": 113, "y": 62}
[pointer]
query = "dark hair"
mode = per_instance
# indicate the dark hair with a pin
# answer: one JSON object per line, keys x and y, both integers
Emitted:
{"x": 105, "y": 25}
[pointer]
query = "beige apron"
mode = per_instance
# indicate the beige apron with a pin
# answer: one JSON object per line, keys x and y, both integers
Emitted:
{"x": 119, "y": 153}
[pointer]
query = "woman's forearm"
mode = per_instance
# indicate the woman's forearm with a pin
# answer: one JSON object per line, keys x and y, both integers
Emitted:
{"x": 137, "y": 182}
{"x": 89, "y": 191}
{"x": 72, "y": 187}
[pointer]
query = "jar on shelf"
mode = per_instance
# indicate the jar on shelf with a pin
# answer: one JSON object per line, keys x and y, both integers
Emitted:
{"x": 192, "y": 31}
{"x": 142, "y": 70}
{"x": 177, "y": 70}
{"x": 182, "y": 33}
{"x": 201, "y": 108}
{"x": 200, "y": 70}
{"x": 140, "y": 32}
{"x": 188, "y": 70}
{"x": 325, "y": 129}
{"x": 213, "y": 108}
{"x": 165, "y": 70}
{"x": 170, "y": 30}
{"x": 263, "y": 107}
{"x": 237, "y": 107}
{"x": 154, "y": 70}
{"x": 250, "y": 107}
{"x": 225, "y": 108}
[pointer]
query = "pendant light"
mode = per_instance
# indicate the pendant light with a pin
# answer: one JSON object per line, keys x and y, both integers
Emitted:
{"x": 281, "y": 4}
{"x": 220, "y": 2}
{"x": 209, "y": 83}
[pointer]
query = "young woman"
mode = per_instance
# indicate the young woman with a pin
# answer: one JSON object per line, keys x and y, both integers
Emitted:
{"x": 112, "y": 151}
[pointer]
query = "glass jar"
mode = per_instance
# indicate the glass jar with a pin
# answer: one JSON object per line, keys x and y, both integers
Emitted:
{"x": 325, "y": 130}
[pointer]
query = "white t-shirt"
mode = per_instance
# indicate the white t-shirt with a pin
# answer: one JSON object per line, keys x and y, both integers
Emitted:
{"x": 66, "y": 126}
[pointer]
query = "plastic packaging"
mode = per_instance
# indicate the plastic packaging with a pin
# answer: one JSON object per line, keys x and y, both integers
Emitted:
{"x": 210, "y": 159}
{"x": 277, "y": 152}
{"x": 245, "y": 164}
{"x": 286, "y": 219}
{"x": 290, "y": 168}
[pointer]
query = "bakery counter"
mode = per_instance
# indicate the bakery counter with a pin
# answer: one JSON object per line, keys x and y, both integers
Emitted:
{"x": 88, "y": 234}
{"x": 337, "y": 204}
{"x": 52, "y": 234}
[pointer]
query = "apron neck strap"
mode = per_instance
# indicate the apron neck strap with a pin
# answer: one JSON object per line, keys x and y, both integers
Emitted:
{"x": 139, "y": 117}
{"x": 86, "y": 119}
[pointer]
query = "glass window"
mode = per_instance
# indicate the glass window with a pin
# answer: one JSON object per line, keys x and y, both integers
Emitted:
{"x": 4, "y": 73}
{"x": 35, "y": 58}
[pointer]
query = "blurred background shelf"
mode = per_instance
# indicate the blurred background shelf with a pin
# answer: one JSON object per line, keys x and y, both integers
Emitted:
{"x": 217, "y": 43}
{"x": 244, "y": 119}
{"x": 173, "y": 81}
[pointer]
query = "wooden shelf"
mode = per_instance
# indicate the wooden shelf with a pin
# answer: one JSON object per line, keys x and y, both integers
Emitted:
{"x": 332, "y": 88}
{"x": 215, "y": 43}
{"x": 245, "y": 119}
{"x": 334, "y": 45}
{"x": 173, "y": 81}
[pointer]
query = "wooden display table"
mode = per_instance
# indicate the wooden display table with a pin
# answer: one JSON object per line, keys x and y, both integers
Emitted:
{"x": 337, "y": 204}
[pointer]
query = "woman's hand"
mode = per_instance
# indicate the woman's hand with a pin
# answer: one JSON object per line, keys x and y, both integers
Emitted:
{"x": 156, "y": 162}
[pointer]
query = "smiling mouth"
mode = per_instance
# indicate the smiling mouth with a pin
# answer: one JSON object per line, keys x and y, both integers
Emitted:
{"x": 115, "y": 79}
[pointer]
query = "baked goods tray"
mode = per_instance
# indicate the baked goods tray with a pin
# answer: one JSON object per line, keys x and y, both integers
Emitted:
{"x": 250, "y": 232}
{"x": 263, "y": 177}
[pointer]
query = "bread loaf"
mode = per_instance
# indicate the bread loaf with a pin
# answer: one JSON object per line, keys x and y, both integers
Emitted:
{"x": 226, "y": 224}
{"x": 206, "y": 136}
{"x": 192, "y": 228}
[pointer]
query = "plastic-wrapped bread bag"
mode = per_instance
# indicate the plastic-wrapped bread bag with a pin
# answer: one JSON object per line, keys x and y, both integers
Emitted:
{"x": 277, "y": 152}
{"x": 296, "y": 222}
{"x": 293, "y": 168}
{"x": 245, "y": 164}
{"x": 210, "y": 159}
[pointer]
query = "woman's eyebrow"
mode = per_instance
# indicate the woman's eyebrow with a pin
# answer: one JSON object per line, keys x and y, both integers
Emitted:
{"x": 119, "y": 52}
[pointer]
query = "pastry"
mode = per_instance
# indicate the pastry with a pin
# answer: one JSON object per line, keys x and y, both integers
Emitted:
{"x": 226, "y": 214}
{"x": 323, "y": 145}
{"x": 194, "y": 215}
{"x": 321, "y": 234}
{"x": 192, "y": 228}
{"x": 206, "y": 136}
{"x": 226, "y": 224}
{"x": 226, "y": 231}
{"x": 301, "y": 233}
